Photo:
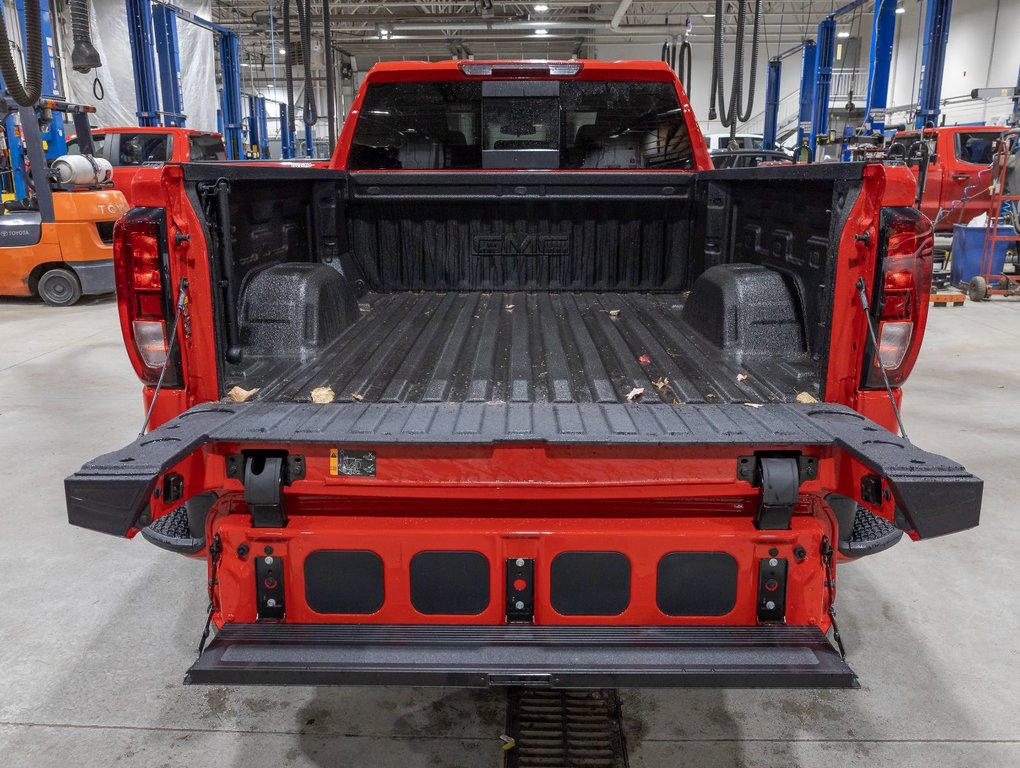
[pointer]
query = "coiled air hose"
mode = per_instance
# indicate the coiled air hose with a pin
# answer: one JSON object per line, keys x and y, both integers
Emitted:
{"x": 736, "y": 111}
{"x": 288, "y": 66}
{"x": 311, "y": 113}
{"x": 24, "y": 94}
{"x": 304, "y": 11}
{"x": 84, "y": 56}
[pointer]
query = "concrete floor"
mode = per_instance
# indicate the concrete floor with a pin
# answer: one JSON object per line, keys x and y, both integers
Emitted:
{"x": 96, "y": 632}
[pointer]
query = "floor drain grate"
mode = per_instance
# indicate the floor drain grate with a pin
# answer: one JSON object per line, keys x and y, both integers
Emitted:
{"x": 564, "y": 729}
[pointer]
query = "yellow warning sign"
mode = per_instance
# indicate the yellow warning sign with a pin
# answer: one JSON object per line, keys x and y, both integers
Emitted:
{"x": 334, "y": 461}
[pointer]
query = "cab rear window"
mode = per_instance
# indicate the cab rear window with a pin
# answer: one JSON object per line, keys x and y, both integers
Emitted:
{"x": 208, "y": 148}
{"x": 520, "y": 125}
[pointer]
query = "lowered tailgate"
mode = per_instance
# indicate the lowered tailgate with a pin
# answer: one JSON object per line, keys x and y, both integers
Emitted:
{"x": 926, "y": 494}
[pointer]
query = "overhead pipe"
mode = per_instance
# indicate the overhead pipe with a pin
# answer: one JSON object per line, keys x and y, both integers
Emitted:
{"x": 621, "y": 11}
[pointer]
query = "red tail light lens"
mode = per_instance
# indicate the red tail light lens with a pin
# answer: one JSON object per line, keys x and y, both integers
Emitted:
{"x": 902, "y": 295}
{"x": 142, "y": 293}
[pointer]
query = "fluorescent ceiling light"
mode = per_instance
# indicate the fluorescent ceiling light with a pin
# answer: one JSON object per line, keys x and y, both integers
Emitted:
{"x": 541, "y": 31}
{"x": 541, "y": 8}
{"x": 283, "y": 51}
{"x": 842, "y": 34}
{"x": 901, "y": 9}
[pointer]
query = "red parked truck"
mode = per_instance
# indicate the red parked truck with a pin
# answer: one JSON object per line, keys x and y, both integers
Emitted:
{"x": 131, "y": 148}
{"x": 531, "y": 395}
{"x": 959, "y": 170}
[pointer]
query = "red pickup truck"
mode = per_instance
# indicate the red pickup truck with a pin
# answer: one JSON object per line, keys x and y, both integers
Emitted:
{"x": 520, "y": 391}
{"x": 131, "y": 148}
{"x": 959, "y": 170}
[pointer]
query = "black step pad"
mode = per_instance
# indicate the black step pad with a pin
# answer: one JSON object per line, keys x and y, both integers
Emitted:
{"x": 517, "y": 655}
{"x": 871, "y": 534}
{"x": 173, "y": 532}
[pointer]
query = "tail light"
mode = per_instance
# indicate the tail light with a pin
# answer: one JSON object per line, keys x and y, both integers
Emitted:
{"x": 900, "y": 303}
{"x": 143, "y": 296}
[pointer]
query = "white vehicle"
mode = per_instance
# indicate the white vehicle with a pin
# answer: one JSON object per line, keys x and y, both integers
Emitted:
{"x": 744, "y": 141}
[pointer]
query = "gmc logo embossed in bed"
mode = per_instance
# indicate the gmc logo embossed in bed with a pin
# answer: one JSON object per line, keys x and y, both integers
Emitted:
{"x": 515, "y": 244}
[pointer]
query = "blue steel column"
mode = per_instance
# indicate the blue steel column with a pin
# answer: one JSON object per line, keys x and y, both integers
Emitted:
{"x": 230, "y": 96}
{"x": 807, "y": 93}
{"x": 168, "y": 56}
{"x": 933, "y": 61}
{"x": 139, "y": 14}
{"x": 309, "y": 142}
{"x": 775, "y": 77}
{"x": 882, "y": 36}
{"x": 261, "y": 123}
{"x": 822, "y": 81}
{"x": 287, "y": 148}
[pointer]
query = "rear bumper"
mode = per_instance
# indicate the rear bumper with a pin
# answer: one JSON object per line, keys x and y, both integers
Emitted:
{"x": 96, "y": 277}
{"x": 561, "y": 657}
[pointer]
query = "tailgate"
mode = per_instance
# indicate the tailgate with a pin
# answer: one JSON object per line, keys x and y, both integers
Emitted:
{"x": 924, "y": 493}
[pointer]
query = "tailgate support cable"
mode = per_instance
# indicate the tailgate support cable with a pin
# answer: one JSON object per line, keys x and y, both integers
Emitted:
{"x": 215, "y": 549}
{"x": 881, "y": 366}
{"x": 830, "y": 583}
{"x": 182, "y": 299}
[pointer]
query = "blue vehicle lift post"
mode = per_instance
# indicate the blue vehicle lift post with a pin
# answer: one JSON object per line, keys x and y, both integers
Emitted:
{"x": 258, "y": 125}
{"x": 880, "y": 64}
{"x": 807, "y": 93}
{"x": 287, "y": 148}
{"x": 139, "y": 13}
{"x": 775, "y": 80}
{"x": 168, "y": 56}
{"x": 821, "y": 82}
{"x": 140, "y": 16}
{"x": 933, "y": 60}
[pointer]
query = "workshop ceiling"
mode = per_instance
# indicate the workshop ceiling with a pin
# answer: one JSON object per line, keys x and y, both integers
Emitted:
{"x": 375, "y": 30}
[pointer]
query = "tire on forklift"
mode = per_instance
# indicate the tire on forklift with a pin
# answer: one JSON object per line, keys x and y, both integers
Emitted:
{"x": 59, "y": 287}
{"x": 977, "y": 290}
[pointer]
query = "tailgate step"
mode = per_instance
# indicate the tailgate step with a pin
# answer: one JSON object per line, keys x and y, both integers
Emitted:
{"x": 870, "y": 535}
{"x": 567, "y": 729}
{"x": 173, "y": 532}
{"x": 507, "y": 655}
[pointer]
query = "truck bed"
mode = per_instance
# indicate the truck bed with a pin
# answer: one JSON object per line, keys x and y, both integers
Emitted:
{"x": 537, "y": 347}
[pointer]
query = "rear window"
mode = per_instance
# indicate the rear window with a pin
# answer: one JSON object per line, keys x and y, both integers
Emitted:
{"x": 520, "y": 124}
{"x": 138, "y": 148}
{"x": 207, "y": 148}
{"x": 97, "y": 144}
{"x": 977, "y": 147}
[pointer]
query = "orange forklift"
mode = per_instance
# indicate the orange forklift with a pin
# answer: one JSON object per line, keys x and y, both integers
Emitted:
{"x": 56, "y": 243}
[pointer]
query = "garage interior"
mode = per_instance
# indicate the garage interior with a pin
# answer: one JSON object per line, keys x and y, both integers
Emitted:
{"x": 97, "y": 632}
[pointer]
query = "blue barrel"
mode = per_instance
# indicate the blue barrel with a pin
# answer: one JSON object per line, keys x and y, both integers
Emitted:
{"x": 968, "y": 247}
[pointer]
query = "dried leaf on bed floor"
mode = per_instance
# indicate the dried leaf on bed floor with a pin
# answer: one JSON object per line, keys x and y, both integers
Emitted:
{"x": 661, "y": 383}
{"x": 753, "y": 405}
{"x": 635, "y": 394}
{"x": 742, "y": 377}
{"x": 323, "y": 395}
{"x": 240, "y": 394}
{"x": 806, "y": 397}
{"x": 357, "y": 397}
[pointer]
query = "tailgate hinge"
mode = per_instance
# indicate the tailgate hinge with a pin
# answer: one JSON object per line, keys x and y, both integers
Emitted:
{"x": 264, "y": 477}
{"x": 780, "y": 479}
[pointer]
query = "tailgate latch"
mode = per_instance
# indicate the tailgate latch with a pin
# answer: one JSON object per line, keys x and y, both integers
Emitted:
{"x": 780, "y": 479}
